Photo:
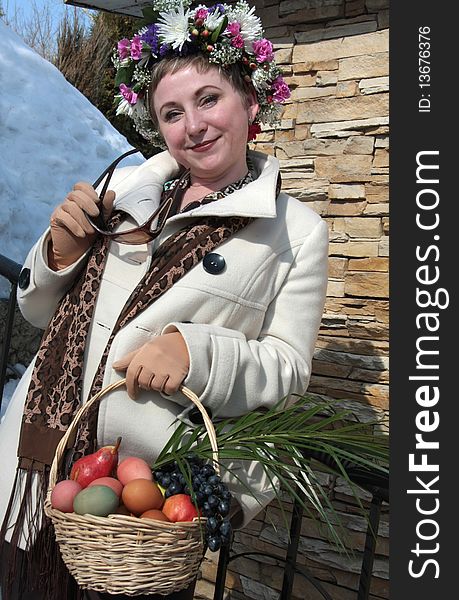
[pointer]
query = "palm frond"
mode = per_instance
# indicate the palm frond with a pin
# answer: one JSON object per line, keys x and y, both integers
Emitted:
{"x": 282, "y": 440}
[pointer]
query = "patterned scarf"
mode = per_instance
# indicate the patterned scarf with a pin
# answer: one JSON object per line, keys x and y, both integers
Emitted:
{"x": 56, "y": 382}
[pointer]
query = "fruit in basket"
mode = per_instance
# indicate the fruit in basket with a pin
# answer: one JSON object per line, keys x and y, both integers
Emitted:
{"x": 63, "y": 495}
{"x": 211, "y": 494}
{"x": 98, "y": 500}
{"x": 110, "y": 482}
{"x": 154, "y": 514}
{"x": 133, "y": 468}
{"x": 98, "y": 464}
{"x": 140, "y": 495}
{"x": 122, "y": 510}
{"x": 180, "y": 508}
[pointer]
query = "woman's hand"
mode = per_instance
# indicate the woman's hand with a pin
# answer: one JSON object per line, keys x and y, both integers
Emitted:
{"x": 160, "y": 365}
{"x": 71, "y": 233}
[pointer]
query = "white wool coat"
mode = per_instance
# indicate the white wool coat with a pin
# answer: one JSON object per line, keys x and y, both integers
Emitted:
{"x": 250, "y": 329}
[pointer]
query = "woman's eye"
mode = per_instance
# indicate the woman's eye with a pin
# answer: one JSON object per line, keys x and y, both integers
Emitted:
{"x": 172, "y": 115}
{"x": 210, "y": 99}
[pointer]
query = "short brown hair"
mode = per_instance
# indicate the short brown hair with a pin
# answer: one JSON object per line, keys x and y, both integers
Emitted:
{"x": 173, "y": 64}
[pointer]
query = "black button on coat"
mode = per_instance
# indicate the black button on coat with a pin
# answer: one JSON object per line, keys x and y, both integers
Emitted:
{"x": 214, "y": 263}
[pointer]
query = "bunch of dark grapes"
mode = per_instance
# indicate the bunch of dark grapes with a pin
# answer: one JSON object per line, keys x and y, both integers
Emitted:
{"x": 210, "y": 494}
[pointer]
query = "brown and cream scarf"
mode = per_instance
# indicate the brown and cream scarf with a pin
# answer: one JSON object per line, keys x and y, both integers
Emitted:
{"x": 56, "y": 382}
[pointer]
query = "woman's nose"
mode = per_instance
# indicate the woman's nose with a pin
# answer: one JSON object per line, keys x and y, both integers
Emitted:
{"x": 195, "y": 123}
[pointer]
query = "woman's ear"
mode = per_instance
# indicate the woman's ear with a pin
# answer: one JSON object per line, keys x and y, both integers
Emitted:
{"x": 252, "y": 106}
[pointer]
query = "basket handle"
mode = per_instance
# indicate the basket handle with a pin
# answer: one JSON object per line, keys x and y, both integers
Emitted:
{"x": 61, "y": 447}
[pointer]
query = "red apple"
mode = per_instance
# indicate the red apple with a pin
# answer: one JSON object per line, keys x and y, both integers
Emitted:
{"x": 179, "y": 508}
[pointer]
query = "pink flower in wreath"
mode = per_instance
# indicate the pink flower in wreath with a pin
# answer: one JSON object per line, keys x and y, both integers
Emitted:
{"x": 136, "y": 48}
{"x": 128, "y": 94}
{"x": 281, "y": 91}
{"x": 263, "y": 50}
{"x": 238, "y": 41}
{"x": 234, "y": 29}
{"x": 124, "y": 46}
{"x": 201, "y": 13}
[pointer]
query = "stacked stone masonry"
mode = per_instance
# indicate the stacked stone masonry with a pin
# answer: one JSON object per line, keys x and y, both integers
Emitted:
{"x": 333, "y": 148}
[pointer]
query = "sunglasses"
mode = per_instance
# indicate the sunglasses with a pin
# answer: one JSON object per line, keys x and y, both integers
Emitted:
{"x": 142, "y": 233}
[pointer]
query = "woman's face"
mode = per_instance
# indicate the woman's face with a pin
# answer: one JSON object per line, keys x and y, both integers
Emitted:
{"x": 204, "y": 122}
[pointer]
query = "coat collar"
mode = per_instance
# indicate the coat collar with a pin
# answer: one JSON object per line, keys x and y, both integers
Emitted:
{"x": 138, "y": 193}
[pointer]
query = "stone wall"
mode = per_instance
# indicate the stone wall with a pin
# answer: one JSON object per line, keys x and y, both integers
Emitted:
{"x": 333, "y": 148}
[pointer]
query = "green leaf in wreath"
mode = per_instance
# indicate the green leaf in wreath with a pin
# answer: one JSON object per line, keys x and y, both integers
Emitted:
{"x": 150, "y": 15}
{"x": 124, "y": 75}
{"x": 220, "y": 28}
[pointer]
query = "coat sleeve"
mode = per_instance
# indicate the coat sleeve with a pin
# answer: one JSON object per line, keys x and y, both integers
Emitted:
{"x": 39, "y": 300}
{"x": 234, "y": 375}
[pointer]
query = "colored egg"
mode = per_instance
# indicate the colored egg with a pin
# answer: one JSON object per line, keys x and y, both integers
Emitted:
{"x": 155, "y": 514}
{"x": 63, "y": 495}
{"x": 140, "y": 495}
{"x": 98, "y": 500}
{"x": 110, "y": 482}
{"x": 133, "y": 468}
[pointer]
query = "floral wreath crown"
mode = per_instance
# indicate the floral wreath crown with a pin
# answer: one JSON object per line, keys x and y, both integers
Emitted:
{"x": 225, "y": 34}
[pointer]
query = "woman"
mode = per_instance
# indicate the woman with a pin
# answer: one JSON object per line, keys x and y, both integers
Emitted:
{"x": 225, "y": 296}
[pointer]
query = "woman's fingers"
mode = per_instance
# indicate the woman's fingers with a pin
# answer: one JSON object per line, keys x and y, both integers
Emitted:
{"x": 107, "y": 203}
{"x": 63, "y": 219}
{"x": 83, "y": 201}
{"x": 87, "y": 189}
{"x": 160, "y": 365}
{"x": 132, "y": 379}
{"x": 79, "y": 217}
{"x": 173, "y": 383}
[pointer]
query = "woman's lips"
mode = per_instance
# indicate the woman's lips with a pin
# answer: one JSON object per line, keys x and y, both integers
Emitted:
{"x": 204, "y": 146}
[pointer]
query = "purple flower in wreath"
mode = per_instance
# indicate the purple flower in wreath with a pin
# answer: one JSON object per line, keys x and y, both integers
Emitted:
{"x": 124, "y": 47}
{"x": 218, "y": 7}
{"x": 234, "y": 29}
{"x": 136, "y": 48}
{"x": 238, "y": 41}
{"x": 263, "y": 50}
{"x": 201, "y": 13}
{"x": 150, "y": 37}
{"x": 128, "y": 94}
{"x": 281, "y": 91}
{"x": 164, "y": 50}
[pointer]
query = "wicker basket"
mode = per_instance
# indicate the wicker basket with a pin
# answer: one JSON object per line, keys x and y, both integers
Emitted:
{"x": 120, "y": 554}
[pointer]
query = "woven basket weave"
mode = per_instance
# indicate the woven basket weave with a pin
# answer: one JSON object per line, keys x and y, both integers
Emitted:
{"x": 120, "y": 554}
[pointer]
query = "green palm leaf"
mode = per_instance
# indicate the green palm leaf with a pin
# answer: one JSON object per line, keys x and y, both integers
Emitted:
{"x": 282, "y": 440}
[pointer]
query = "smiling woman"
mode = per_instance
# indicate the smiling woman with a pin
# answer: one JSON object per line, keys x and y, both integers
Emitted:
{"x": 225, "y": 298}
{"x": 204, "y": 121}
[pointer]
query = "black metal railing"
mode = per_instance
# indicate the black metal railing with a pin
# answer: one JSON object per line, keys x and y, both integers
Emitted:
{"x": 375, "y": 483}
{"x": 9, "y": 270}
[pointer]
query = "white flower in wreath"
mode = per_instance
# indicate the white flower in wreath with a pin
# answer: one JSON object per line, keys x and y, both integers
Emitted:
{"x": 251, "y": 28}
{"x": 173, "y": 28}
